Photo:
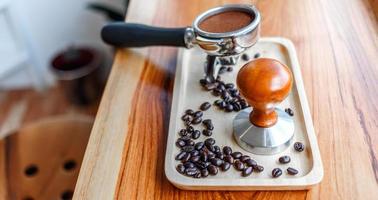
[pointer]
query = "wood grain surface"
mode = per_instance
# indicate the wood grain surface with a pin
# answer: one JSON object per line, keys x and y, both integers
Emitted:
{"x": 337, "y": 47}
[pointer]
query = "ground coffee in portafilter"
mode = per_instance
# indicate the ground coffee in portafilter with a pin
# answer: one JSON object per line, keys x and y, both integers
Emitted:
{"x": 226, "y": 22}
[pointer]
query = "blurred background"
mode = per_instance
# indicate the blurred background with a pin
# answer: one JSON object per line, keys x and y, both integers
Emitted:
{"x": 53, "y": 68}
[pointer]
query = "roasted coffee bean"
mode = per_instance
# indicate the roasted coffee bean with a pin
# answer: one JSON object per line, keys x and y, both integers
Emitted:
{"x": 191, "y": 171}
{"x": 197, "y": 120}
{"x": 217, "y": 149}
{"x": 257, "y": 55}
{"x": 180, "y": 143}
{"x": 188, "y": 165}
{"x": 292, "y": 171}
{"x": 196, "y": 134}
{"x": 189, "y": 112}
{"x": 225, "y": 95}
{"x": 194, "y": 158}
{"x": 219, "y": 155}
{"x": 236, "y": 107}
{"x": 183, "y": 132}
{"x": 188, "y": 123}
{"x": 245, "y": 57}
{"x": 236, "y": 155}
{"x": 207, "y": 132}
{"x": 211, "y": 148}
{"x": 229, "y": 69}
{"x": 284, "y": 159}
{"x": 180, "y": 168}
{"x": 289, "y": 111}
{"x": 186, "y": 158}
{"x": 210, "y": 155}
{"x": 251, "y": 162}
{"x": 203, "y": 81}
{"x": 244, "y": 158}
{"x": 186, "y": 117}
{"x": 259, "y": 168}
{"x": 276, "y": 172}
{"x": 202, "y": 164}
{"x": 217, "y": 102}
{"x": 247, "y": 171}
{"x": 208, "y": 123}
{"x": 229, "y": 159}
{"x": 186, "y": 138}
{"x": 204, "y": 173}
{"x": 298, "y": 146}
{"x": 204, "y": 156}
{"x": 227, "y": 150}
{"x": 189, "y": 129}
{"x": 197, "y": 175}
{"x": 216, "y": 161}
{"x": 205, "y": 106}
{"x": 230, "y": 85}
{"x": 238, "y": 165}
{"x": 194, "y": 153}
{"x": 221, "y": 87}
{"x": 216, "y": 92}
{"x": 181, "y": 155}
{"x": 222, "y": 105}
{"x": 222, "y": 70}
{"x": 209, "y": 141}
{"x": 225, "y": 166}
{"x": 198, "y": 114}
{"x": 199, "y": 145}
{"x": 229, "y": 108}
{"x": 210, "y": 86}
{"x": 190, "y": 143}
{"x": 188, "y": 148}
{"x": 213, "y": 170}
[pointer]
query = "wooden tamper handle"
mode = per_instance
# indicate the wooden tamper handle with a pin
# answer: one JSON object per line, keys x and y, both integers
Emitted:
{"x": 264, "y": 83}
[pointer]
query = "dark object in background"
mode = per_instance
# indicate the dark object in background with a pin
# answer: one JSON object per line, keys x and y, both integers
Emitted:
{"x": 78, "y": 70}
{"x": 112, "y": 14}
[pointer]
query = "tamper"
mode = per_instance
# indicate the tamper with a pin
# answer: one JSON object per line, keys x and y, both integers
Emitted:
{"x": 265, "y": 129}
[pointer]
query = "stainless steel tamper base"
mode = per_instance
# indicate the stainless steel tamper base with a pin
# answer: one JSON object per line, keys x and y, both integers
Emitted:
{"x": 263, "y": 141}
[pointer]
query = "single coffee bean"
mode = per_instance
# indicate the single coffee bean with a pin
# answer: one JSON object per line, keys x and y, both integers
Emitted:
{"x": 289, "y": 111}
{"x": 251, "y": 162}
{"x": 202, "y": 164}
{"x": 229, "y": 159}
{"x": 196, "y": 134}
{"x": 186, "y": 117}
{"x": 236, "y": 107}
{"x": 259, "y": 168}
{"x": 257, "y": 55}
{"x": 230, "y": 85}
{"x": 225, "y": 166}
{"x": 209, "y": 141}
{"x": 236, "y": 155}
{"x": 229, "y": 108}
{"x": 298, "y": 146}
{"x": 207, "y": 132}
{"x": 204, "y": 173}
{"x": 189, "y": 129}
{"x": 216, "y": 161}
{"x": 191, "y": 171}
{"x": 180, "y": 143}
{"x": 197, "y": 120}
{"x": 204, "y": 156}
{"x": 188, "y": 165}
{"x": 213, "y": 170}
{"x": 199, "y": 145}
{"x": 210, "y": 155}
{"x": 189, "y": 112}
{"x": 183, "y": 132}
{"x": 188, "y": 123}
{"x": 210, "y": 86}
{"x": 219, "y": 155}
{"x": 221, "y": 87}
{"x": 238, "y": 165}
{"x": 227, "y": 150}
{"x": 185, "y": 138}
{"x": 205, "y": 106}
{"x": 194, "y": 153}
{"x": 186, "y": 158}
{"x": 194, "y": 158}
{"x": 217, "y": 102}
{"x": 222, "y": 70}
{"x": 211, "y": 148}
{"x": 244, "y": 158}
{"x": 198, "y": 114}
{"x": 197, "y": 175}
{"x": 247, "y": 171}
{"x": 188, "y": 148}
{"x": 208, "y": 123}
{"x": 222, "y": 105}
{"x": 180, "y": 168}
{"x": 284, "y": 159}
{"x": 276, "y": 172}
{"x": 292, "y": 171}
{"x": 245, "y": 57}
{"x": 217, "y": 149}
{"x": 181, "y": 155}
{"x": 229, "y": 69}
{"x": 190, "y": 143}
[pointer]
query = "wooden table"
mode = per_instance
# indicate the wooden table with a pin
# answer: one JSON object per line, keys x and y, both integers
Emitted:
{"x": 337, "y": 46}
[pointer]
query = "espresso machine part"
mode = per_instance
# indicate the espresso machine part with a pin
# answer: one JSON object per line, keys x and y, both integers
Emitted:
{"x": 266, "y": 129}
{"x": 225, "y": 46}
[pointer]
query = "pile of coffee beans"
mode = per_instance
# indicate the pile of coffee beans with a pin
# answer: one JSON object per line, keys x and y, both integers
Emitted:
{"x": 230, "y": 99}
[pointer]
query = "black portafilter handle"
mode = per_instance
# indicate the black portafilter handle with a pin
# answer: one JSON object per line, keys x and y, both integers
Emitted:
{"x": 122, "y": 34}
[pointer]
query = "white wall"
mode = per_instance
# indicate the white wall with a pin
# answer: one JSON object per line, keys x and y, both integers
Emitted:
{"x": 51, "y": 25}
